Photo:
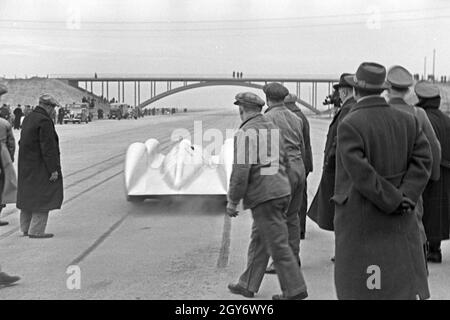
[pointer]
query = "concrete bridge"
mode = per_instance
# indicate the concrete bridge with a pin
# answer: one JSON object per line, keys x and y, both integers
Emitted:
{"x": 175, "y": 85}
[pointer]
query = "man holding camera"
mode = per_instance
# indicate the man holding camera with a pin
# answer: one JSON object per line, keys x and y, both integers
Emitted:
{"x": 321, "y": 210}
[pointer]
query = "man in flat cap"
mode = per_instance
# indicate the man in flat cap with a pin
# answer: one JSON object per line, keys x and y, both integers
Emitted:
{"x": 400, "y": 81}
{"x": 6, "y": 279}
{"x": 290, "y": 103}
{"x": 436, "y": 197}
{"x": 291, "y": 130}
{"x": 383, "y": 163}
{"x": 321, "y": 210}
{"x": 40, "y": 183}
{"x": 259, "y": 178}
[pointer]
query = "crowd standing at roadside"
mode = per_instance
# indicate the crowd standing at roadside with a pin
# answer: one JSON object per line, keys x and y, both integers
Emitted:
{"x": 384, "y": 191}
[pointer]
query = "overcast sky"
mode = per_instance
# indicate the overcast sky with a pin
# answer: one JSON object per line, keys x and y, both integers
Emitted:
{"x": 258, "y": 37}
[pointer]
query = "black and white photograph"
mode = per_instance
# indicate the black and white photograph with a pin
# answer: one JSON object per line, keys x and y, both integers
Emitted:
{"x": 230, "y": 151}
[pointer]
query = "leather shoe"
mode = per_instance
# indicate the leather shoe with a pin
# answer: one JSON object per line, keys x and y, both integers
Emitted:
{"x": 41, "y": 236}
{"x": 6, "y": 279}
{"x": 3, "y": 223}
{"x": 300, "y": 296}
{"x": 238, "y": 289}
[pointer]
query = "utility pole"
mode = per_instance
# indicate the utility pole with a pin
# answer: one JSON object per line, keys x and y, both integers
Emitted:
{"x": 434, "y": 65}
{"x": 425, "y": 68}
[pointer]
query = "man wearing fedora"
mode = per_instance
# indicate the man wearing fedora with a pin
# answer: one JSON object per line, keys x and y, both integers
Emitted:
{"x": 436, "y": 197}
{"x": 40, "y": 184}
{"x": 6, "y": 279}
{"x": 290, "y": 103}
{"x": 400, "y": 81}
{"x": 321, "y": 210}
{"x": 264, "y": 187}
{"x": 383, "y": 163}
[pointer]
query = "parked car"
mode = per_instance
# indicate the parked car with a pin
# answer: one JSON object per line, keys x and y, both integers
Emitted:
{"x": 118, "y": 111}
{"x": 76, "y": 113}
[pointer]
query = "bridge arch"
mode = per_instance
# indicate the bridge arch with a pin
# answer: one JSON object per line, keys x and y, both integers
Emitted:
{"x": 212, "y": 84}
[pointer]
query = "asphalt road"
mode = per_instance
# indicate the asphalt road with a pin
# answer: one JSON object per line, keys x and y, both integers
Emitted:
{"x": 173, "y": 249}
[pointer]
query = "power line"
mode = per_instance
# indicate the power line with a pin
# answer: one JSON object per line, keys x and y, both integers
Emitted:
{"x": 225, "y": 20}
{"x": 240, "y": 28}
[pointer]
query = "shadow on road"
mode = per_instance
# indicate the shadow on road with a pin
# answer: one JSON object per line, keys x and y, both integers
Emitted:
{"x": 179, "y": 206}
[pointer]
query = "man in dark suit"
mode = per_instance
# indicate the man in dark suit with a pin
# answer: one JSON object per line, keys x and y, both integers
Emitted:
{"x": 321, "y": 210}
{"x": 383, "y": 163}
{"x": 40, "y": 184}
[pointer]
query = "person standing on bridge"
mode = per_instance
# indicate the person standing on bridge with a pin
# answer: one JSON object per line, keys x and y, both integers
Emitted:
{"x": 321, "y": 210}
{"x": 291, "y": 130}
{"x": 263, "y": 185}
{"x": 40, "y": 187}
{"x": 290, "y": 102}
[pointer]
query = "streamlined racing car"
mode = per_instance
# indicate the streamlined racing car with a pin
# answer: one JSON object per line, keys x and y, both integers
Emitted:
{"x": 185, "y": 170}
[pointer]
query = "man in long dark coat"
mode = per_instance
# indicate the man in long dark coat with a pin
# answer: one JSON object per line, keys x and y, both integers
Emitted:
{"x": 436, "y": 197}
{"x": 383, "y": 163}
{"x": 18, "y": 114}
{"x": 400, "y": 81}
{"x": 40, "y": 183}
{"x": 290, "y": 103}
{"x": 322, "y": 208}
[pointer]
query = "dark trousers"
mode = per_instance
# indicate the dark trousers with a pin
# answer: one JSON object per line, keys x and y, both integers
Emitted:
{"x": 296, "y": 174}
{"x": 303, "y": 208}
{"x": 434, "y": 245}
{"x": 33, "y": 223}
{"x": 270, "y": 238}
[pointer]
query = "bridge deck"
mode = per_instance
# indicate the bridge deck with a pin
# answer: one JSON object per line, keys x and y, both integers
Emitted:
{"x": 195, "y": 79}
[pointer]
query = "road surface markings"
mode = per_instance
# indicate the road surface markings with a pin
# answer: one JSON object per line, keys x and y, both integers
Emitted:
{"x": 99, "y": 241}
